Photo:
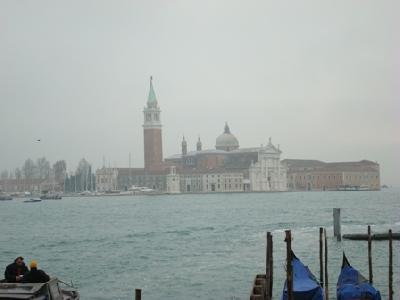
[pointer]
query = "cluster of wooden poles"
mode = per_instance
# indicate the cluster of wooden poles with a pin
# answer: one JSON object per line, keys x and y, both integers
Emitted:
{"x": 262, "y": 288}
{"x": 265, "y": 290}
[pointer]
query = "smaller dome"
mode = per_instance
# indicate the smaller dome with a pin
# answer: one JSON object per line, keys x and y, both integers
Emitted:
{"x": 227, "y": 141}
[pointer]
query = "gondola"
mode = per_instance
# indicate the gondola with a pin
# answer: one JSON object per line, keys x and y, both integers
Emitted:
{"x": 353, "y": 286}
{"x": 305, "y": 285}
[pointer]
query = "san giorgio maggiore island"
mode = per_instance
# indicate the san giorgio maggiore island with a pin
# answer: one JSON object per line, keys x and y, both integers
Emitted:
{"x": 229, "y": 168}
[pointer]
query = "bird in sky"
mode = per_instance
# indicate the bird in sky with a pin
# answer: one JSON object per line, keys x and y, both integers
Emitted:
{"x": 38, "y": 140}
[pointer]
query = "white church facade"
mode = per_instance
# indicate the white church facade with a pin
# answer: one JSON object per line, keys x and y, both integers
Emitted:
{"x": 227, "y": 168}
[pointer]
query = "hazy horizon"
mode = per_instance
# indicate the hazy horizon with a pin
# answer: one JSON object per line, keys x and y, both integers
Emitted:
{"x": 322, "y": 79}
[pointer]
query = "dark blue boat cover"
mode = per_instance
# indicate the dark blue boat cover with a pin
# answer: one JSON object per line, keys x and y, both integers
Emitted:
{"x": 353, "y": 286}
{"x": 305, "y": 285}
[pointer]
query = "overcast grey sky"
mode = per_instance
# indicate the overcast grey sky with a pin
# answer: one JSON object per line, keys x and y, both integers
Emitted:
{"x": 320, "y": 77}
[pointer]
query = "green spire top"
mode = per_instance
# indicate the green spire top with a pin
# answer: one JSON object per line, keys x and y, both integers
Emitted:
{"x": 152, "y": 96}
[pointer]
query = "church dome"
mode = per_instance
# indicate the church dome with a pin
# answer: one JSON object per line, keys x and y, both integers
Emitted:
{"x": 227, "y": 141}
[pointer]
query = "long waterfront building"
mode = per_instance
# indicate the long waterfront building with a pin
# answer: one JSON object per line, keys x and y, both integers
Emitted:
{"x": 315, "y": 175}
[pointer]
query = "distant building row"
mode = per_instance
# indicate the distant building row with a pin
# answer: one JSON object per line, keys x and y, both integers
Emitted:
{"x": 299, "y": 175}
{"x": 29, "y": 185}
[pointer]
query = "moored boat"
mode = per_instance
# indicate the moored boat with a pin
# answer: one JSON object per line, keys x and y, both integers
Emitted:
{"x": 37, "y": 291}
{"x": 33, "y": 200}
{"x": 354, "y": 286}
{"x": 5, "y": 197}
{"x": 305, "y": 285}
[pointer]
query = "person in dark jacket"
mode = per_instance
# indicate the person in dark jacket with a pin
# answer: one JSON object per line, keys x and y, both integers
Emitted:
{"x": 35, "y": 275}
{"x": 15, "y": 271}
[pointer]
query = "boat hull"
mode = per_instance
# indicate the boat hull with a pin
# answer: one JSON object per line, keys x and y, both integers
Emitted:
{"x": 353, "y": 286}
{"x": 37, "y": 291}
{"x": 33, "y": 200}
{"x": 305, "y": 285}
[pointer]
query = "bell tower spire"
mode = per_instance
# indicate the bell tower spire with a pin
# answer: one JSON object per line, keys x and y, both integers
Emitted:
{"x": 152, "y": 132}
{"x": 152, "y": 99}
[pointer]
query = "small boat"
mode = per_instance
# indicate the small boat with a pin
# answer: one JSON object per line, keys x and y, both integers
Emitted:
{"x": 5, "y": 197}
{"x": 305, "y": 285}
{"x": 353, "y": 286}
{"x": 33, "y": 200}
{"x": 37, "y": 291}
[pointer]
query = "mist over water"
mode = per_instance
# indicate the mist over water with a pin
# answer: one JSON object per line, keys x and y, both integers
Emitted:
{"x": 192, "y": 246}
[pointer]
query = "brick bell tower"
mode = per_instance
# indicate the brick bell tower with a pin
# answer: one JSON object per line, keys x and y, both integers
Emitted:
{"x": 152, "y": 133}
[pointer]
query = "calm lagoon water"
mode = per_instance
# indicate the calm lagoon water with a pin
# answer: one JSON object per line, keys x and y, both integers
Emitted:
{"x": 192, "y": 246}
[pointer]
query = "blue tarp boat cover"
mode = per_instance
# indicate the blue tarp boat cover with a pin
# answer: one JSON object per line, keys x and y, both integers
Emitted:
{"x": 305, "y": 285}
{"x": 353, "y": 286}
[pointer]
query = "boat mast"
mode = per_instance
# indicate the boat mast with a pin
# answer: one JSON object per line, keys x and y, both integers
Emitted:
{"x": 130, "y": 172}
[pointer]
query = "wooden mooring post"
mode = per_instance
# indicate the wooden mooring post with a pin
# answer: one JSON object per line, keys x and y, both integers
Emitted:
{"x": 289, "y": 269}
{"x": 370, "y": 254}
{"x": 267, "y": 254}
{"x": 390, "y": 266}
{"x": 269, "y": 267}
{"x": 262, "y": 284}
{"x": 321, "y": 264}
{"x": 138, "y": 294}
{"x": 337, "y": 224}
{"x": 326, "y": 268}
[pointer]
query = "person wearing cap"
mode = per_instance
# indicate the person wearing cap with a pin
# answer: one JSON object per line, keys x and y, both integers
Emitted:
{"x": 35, "y": 275}
{"x": 15, "y": 271}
